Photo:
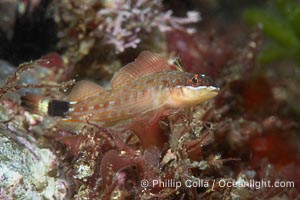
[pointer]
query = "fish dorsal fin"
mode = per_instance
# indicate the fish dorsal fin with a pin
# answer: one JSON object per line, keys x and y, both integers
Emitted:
{"x": 84, "y": 89}
{"x": 145, "y": 64}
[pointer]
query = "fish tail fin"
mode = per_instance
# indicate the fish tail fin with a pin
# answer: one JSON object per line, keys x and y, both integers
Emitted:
{"x": 40, "y": 105}
{"x": 35, "y": 103}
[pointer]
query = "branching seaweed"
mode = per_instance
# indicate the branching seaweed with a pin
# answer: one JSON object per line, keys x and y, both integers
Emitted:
{"x": 11, "y": 83}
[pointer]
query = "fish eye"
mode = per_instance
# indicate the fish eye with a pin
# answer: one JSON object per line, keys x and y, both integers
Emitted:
{"x": 194, "y": 80}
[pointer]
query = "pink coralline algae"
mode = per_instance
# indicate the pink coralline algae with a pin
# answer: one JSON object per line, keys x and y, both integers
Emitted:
{"x": 121, "y": 23}
{"x": 143, "y": 16}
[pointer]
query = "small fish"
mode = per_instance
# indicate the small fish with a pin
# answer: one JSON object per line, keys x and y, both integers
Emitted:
{"x": 146, "y": 88}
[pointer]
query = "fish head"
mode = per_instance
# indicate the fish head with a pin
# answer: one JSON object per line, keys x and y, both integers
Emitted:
{"x": 197, "y": 89}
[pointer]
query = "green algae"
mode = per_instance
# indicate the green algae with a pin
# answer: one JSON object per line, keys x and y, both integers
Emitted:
{"x": 280, "y": 23}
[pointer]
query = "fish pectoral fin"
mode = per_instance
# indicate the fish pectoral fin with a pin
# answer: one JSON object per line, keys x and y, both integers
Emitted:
{"x": 84, "y": 89}
{"x": 70, "y": 124}
{"x": 149, "y": 117}
{"x": 145, "y": 64}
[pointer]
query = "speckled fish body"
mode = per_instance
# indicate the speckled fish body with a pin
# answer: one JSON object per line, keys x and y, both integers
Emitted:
{"x": 136, "y": 98}
{"x": 143, "y": 89}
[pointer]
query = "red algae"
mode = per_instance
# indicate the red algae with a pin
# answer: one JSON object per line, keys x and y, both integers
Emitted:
{"x": 258, "y": 96}
{"x": 51, "y": 60}
{"x": 205, "y": 52}
{"x": 149, "y": 134}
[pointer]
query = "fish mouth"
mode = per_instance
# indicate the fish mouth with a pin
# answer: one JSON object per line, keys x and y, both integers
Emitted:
{"x": 209, "y": 91}
{"x": 207, "y": 88}
{"x": 201, "y": 93}
{"x": 213, "y": 89}
{"x": 190, "y": 96}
